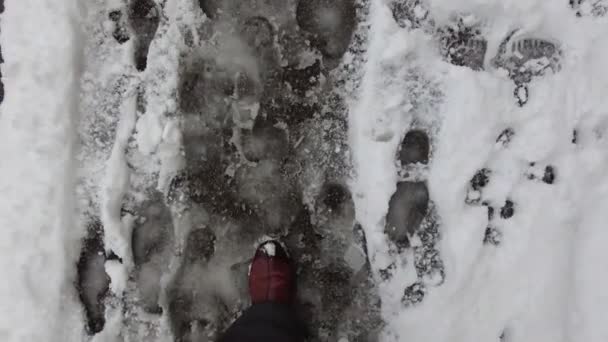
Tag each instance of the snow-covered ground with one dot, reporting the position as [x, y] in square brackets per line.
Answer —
[543, 280]
[42, 50]
[437, 168]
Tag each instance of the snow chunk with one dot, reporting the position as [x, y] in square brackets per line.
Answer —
[170, 153]
[270, 249]
[118, 275]
[117, 236]
[148, 133]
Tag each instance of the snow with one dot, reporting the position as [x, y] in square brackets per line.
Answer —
[76, 143]
[270, 249]
[117, 229]
[37, 143]
[149, 133]
[538, 284]
[170, 154]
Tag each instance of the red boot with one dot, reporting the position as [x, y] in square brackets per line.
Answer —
[272, 275]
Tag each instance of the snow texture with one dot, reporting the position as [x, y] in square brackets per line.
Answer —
[270, 249]
[435, 168]
[37, 129]
[530, 278]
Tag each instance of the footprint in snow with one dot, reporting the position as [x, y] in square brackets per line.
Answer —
[523, 56]
[92, 281]
[585, 8]
[144, 19]
[330, 24]
[195, 307]
[120, 32]
[411, 14]
[411, 214]
[152, 247]
[508, 208]
[463, 45]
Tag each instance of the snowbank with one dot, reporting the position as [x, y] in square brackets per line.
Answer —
[41, 46]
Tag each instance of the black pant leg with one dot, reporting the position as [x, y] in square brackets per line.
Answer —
[266, 322]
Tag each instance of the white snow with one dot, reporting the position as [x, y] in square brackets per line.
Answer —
[270, 249]
[117, 230]
[545, 282]
[42, 48]
[149, 133]
[170, 154]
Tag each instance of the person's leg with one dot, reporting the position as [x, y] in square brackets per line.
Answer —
[272, 289]
[265, 322]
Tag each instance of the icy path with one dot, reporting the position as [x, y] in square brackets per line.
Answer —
[545, 280]
[41, 48]
[231, 131]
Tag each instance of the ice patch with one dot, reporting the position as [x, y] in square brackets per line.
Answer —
[355, 258]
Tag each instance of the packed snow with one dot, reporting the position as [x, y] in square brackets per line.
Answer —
[437, 169]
